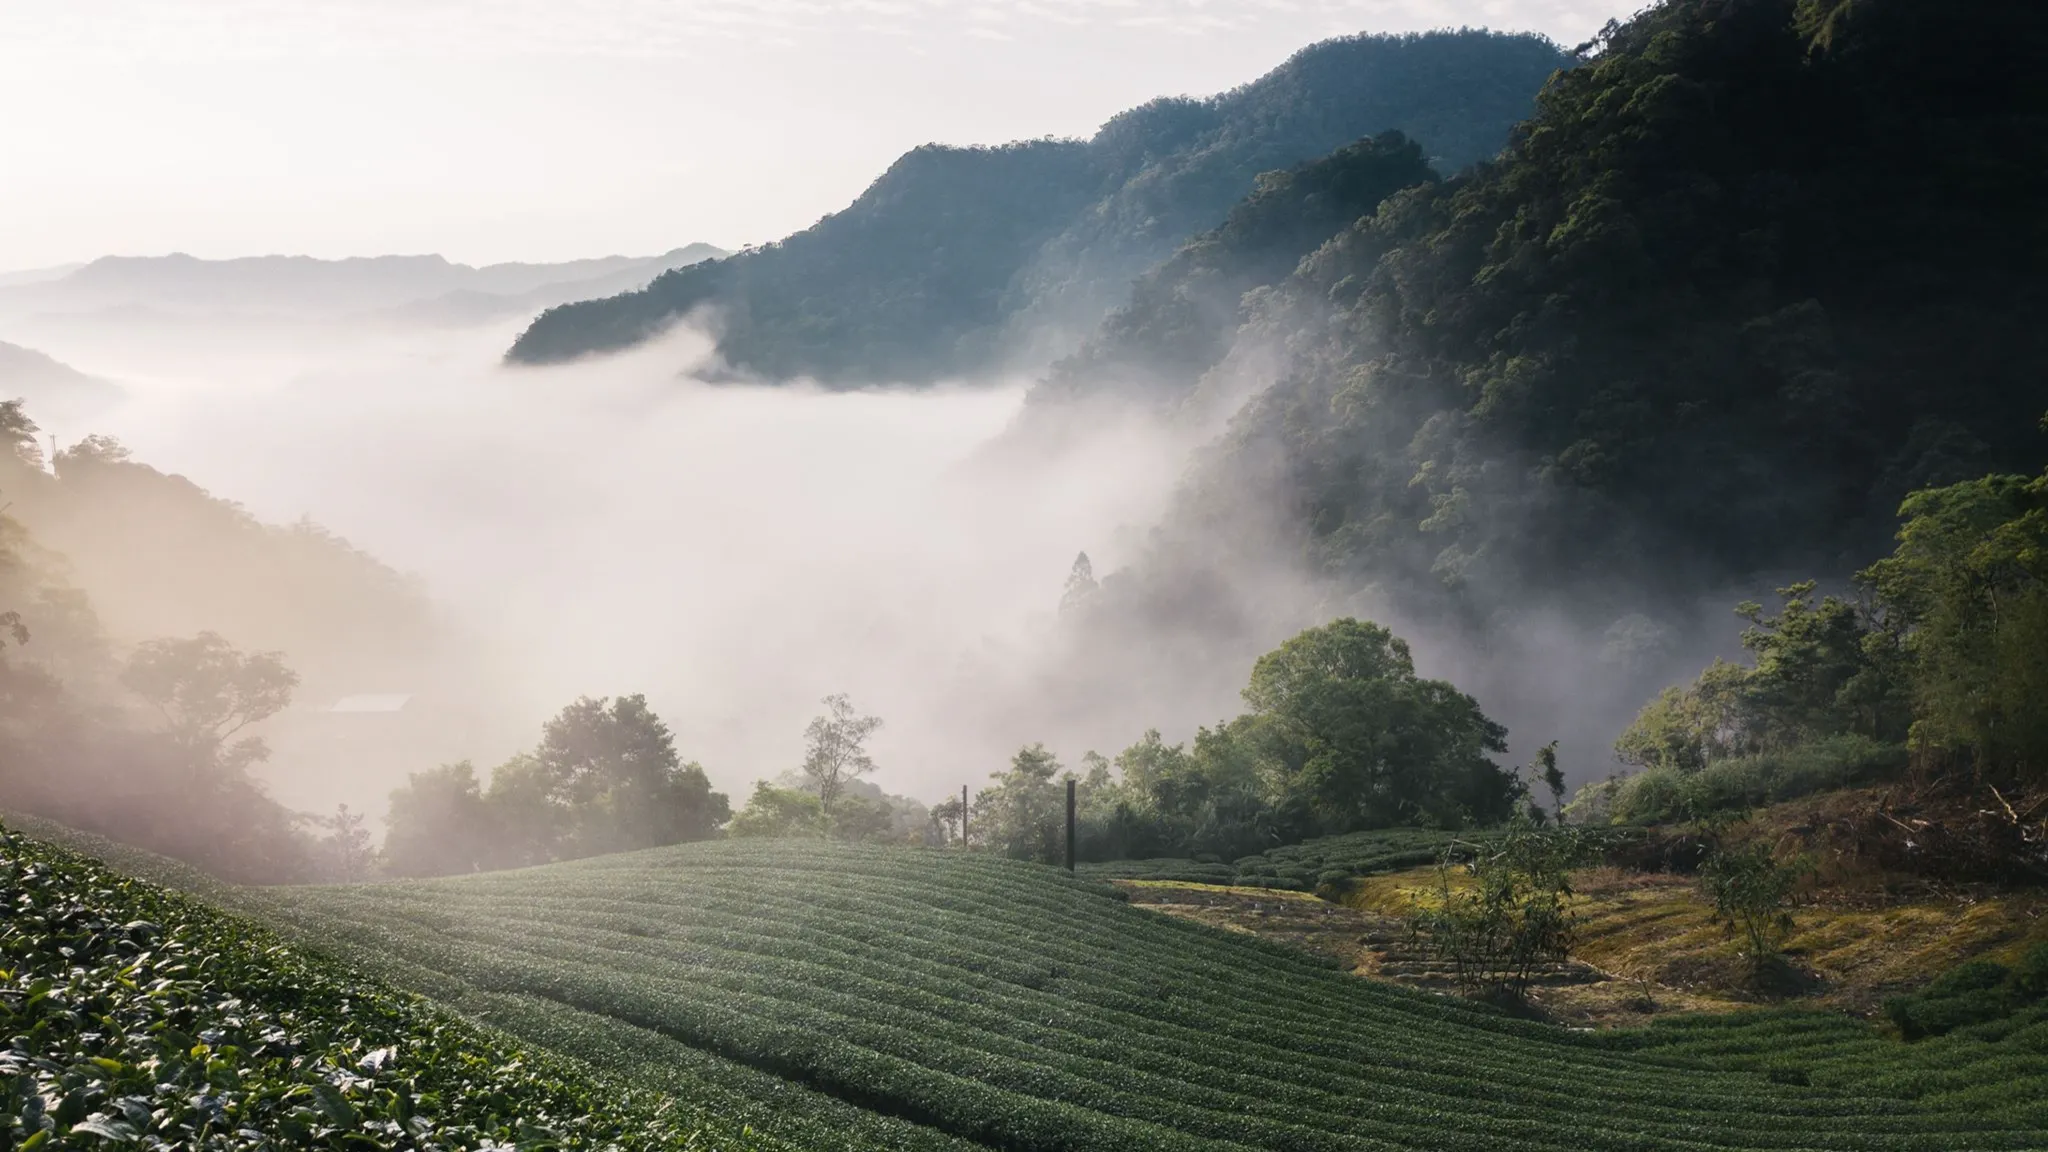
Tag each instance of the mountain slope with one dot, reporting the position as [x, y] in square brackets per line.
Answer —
[956, 258]
[1009, 1006]
[1750, 275]
[1182, 316]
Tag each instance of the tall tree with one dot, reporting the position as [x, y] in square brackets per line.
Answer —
[207, 691]
[835, 749]
[1081, 586]
[1367, 742]
[612, 764]
[438, 824]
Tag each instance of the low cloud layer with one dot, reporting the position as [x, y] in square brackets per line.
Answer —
[735, 553]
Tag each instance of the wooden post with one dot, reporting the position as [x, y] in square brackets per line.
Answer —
[1070, 824]
[963, 817]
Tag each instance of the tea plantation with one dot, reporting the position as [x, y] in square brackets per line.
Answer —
[1300, 867]
[136, 1017]
[866, 997]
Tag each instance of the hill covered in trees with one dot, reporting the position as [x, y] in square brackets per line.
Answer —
[1753, 273]
[957, 256]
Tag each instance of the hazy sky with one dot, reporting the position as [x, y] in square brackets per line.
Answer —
[552, 129]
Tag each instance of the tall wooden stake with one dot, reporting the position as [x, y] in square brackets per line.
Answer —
[1070, 825]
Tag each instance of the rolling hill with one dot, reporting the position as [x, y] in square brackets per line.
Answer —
[966, 1001]
[957, 259]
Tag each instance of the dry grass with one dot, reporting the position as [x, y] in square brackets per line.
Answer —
[1849, 948]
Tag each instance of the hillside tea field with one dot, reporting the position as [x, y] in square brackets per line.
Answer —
[895, 998]
[139, 1018]
[1300, 867]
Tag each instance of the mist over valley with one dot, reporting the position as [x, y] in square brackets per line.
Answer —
[1464, 589]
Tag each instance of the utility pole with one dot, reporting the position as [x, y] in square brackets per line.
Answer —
[1070, 824]
[963, 817]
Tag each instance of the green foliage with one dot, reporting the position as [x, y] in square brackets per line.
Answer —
[1364, 741]
[773, 811]
[953, 252]
[1949, 647]
[1752, 893]
[1503, 909]
[438, 824]
[136, 1017]
[615, 771]
[1341, 735]
[1022, 813]
[1732, 292]
[1182, 315]
[985, 1002]
[1968, 589]
[1661, 794]
[1975, 993]
[835, 750]
[605, 777]
[158, 745]
[1307, 865]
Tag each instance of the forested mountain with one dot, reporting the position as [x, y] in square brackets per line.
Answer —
[957, 257]
[1182, 316]
[1753, 272]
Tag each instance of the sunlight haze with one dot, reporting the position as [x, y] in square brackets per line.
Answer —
[549, 131]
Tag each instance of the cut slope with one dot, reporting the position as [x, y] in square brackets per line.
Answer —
[1013, 1007]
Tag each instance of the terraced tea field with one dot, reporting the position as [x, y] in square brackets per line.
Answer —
[1300, 867]
[851, 997]
[137, 1017]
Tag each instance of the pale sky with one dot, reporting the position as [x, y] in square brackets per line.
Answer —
[555, 129]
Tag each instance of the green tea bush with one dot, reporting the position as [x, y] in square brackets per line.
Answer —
[135, 1017]
[1978, 992]
[972, 1001]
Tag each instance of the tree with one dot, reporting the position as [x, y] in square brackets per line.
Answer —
[612, 766]
[1968, 585]
[835, 749]
[778, 812]
[345, 850]
[207, 691]
[1365, 742]
[526, 820]
[945, 821]
[18, 434]
[1503, 909]
[1751, 891]
[1021, 814]
[1552, 778]
[438, 824]
[1081, 586]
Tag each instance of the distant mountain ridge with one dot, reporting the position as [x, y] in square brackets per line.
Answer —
[51, 388]
[305, 284]
[957, 260]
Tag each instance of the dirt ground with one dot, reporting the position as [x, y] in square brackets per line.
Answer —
[1647, 942]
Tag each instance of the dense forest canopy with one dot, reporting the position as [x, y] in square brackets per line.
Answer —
[957, 256]
[1182, 315]
[1753, 272]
